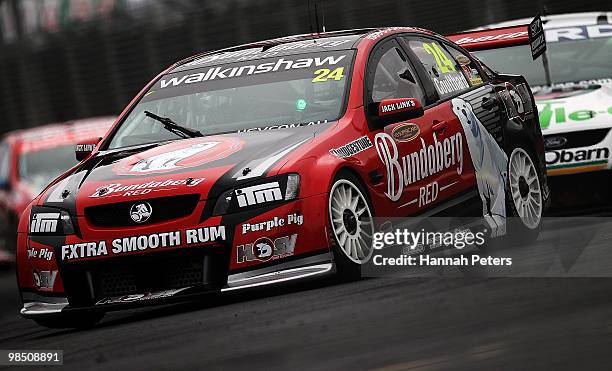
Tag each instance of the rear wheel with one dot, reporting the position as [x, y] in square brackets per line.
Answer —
[78, 321]
[525, 204]
[351, 225]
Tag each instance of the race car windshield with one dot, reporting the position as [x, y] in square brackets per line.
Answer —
[570, 60]
[39, 168]
[262, 94]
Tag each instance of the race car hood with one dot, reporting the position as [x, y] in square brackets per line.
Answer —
[206, 166]
[575, 108]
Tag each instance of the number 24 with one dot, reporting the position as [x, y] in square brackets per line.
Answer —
[324, 74]
[445, 64]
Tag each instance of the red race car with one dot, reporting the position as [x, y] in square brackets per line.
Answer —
[264, 163]
[29, 160]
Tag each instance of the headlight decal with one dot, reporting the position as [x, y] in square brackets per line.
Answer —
[47, 221]
[276, 189]
[258, 194]
[44, 222]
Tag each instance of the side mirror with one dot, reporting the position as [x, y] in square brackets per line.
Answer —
[83, 150]
[390, 111]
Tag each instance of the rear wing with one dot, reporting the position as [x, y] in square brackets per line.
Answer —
[493, 38]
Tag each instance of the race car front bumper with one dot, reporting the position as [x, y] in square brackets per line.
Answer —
[578, 152]
[37, 306]
[182, 273]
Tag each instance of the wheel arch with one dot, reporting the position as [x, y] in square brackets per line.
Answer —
[364, 185]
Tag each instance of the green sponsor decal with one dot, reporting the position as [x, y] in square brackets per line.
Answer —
[582, 115]
[553, 112]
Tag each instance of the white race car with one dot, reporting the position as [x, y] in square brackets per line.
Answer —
[575, 109]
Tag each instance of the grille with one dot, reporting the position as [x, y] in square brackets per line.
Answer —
[146, 275]
[163, 209]
[580, 138]
[117, 282]
[89, 282]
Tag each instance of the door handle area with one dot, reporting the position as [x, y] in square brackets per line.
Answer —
[488, 103]
[439, 125]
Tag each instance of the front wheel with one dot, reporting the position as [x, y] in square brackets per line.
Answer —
[525, 204]
[351, 225]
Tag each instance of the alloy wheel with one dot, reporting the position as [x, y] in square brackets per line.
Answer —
[525, 188]
[351, 221]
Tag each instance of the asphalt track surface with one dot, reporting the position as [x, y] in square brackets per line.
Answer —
[463, 322]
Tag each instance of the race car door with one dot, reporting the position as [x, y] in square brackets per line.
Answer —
[447, 75]
[471, 110]
[410, 153]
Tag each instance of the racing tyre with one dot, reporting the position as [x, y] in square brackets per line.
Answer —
[76, 321]
[525, 203]
[351, 226]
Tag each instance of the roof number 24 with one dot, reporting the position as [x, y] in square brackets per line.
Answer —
[324, 74]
